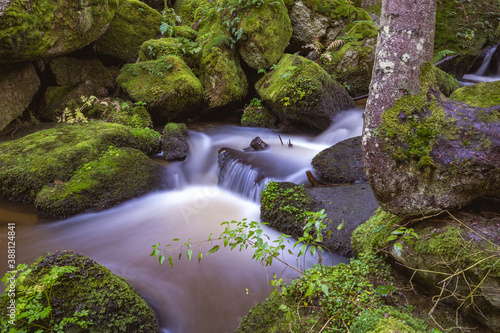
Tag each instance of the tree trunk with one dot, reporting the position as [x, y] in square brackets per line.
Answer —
[422, 152]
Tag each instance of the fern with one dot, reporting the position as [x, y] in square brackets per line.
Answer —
[336, 43]
[440, 55]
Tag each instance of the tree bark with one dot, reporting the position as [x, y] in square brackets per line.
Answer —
[422, 152]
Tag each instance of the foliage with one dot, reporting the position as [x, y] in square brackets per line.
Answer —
[77, 116]
[33, 302]
[402, 234]
[386, 318]
[257, 115]
[439, 55]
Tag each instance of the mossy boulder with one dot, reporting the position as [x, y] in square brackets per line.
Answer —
[485, 95]
[387, 319]
[71, 71]
[184, 31]
[19, 83]
[321, 21]
[57, 98]
[352, 64]
[167, 85]
[371, 236]
[175, 145]
[118, 175]
[265, 32]
[284, 205]
[90, 293]
[299, 91]
[134, 23]
[257, 115]
[342, 162]
[119, 111]
[47, 29]
[55, 155]
[446, 82]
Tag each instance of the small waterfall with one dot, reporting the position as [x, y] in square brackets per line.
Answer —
[490, 67]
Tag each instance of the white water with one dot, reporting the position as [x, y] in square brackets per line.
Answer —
[192, 297]
[481, 74]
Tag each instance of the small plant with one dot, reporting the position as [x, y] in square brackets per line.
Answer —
[77, 116]
[33, 309]
[441, 55]
[402, 233]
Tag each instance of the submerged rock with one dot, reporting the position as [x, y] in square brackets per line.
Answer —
[89, 292]
[55, 156]
[19, 83]
[341, 163]
[46, 29]
[300, 91]
[175, 145]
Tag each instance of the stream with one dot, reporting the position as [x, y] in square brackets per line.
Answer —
[210, 296]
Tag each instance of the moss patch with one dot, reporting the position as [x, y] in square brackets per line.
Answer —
[485, 95]
[112, 304]
[257, 115]
[370, 236]
[181, 47]
[29, 163]
[121, 112]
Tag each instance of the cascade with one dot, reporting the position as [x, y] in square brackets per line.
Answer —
[490, 67]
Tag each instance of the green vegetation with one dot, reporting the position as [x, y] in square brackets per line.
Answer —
[257, 115]
[484, 95]
[67, 292]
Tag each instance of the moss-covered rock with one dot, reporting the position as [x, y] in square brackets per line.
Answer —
[284, 205]
[175, 145]
[18, 85]
[387, 319]
[181, 47]
[121, 112]
[134, 23]
[89, 292]
[54, 155]
[321, 21]
[485, 95]
[45, 29]
[446, 82]
[300, 91]
[257, 115]
[370, 236]
[57, 98]
[341, 163]
[118, 175]
[167, 85]
[352, 65]
[266, 31]
[183, 31]
[70, 71]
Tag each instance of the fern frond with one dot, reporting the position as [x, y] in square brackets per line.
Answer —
[440, 55]
[335, 44]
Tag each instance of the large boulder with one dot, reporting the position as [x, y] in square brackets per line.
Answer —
[167, 85]
[342, 162]
[76, 294]
[18, 85]
[46, 29]
[53, 156]
[134, 23]
[299, 91]
[118, 175]
[181, 47]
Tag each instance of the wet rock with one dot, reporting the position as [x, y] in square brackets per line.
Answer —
[341, 163]
[258, 144]
[175, 146]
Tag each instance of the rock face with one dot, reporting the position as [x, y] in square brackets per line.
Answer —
[341, 163]
[61, 156]
[167, 85]
[300, 91]
[46, 29]
[133, 24]
[18, 85]
[175, 145]
[112, 304]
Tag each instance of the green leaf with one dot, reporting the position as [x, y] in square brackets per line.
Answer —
[189, 254]
[325, 290]
[391, 238]
[175, 240]
[384, 290]
[213, 249]
[200, 256]
[171, 261]
[341, 225]
[398, 247]
[161, 259]
[283, 307]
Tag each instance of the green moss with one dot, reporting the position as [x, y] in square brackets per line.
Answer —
[185, 32]
[120, 112]
[387, 320]
[484, 95]
[370, 236]
[284, 205]
[258, 116]
[29, 163]
[112, 304]
[446, 82]
[43, 29]
[167, 85]
[133, 24]
[338, 10]
[181, 47]
[118, 175]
